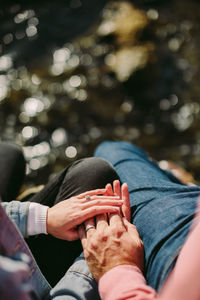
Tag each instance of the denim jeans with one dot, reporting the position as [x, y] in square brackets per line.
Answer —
[162, 207]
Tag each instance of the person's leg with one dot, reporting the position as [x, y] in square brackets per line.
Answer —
[55, 256]
[12, 170]
[162, 206]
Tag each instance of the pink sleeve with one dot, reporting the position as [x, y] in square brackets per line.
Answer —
[184, 281]
[125, 282]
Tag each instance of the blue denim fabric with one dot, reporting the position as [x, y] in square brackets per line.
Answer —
[12, 244]
[78, 283]
[162, 207]
[18, 212]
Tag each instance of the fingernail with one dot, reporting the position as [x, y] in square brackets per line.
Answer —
[121, 201]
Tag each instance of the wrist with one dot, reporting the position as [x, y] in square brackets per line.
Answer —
[98, 275]
[50, 218]
[47, 222]
[117, 264]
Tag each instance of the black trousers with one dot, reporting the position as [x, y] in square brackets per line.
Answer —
[12, 171]
[55, 256]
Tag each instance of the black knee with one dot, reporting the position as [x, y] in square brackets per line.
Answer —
[87, 174]
[93, 172]
[12, 170]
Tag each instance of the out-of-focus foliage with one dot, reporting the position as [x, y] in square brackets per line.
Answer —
[132, 75]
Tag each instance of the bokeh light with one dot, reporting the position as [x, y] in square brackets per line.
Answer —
[133, 75]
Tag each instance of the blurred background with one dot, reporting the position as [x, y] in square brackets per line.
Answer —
[76, 72]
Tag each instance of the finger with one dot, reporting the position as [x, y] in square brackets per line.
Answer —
[102, 203]
[117, 188]
[126, 207]
[92, 192]
[95, 197]
[101, 222]
[89, 222]
[109, 190]
[82, 236]
[130, 227]
[96, 210]
[104, 197]
[116, 220]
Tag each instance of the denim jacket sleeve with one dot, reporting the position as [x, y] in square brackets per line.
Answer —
[13, 278]
[77, 284]
[18, 212]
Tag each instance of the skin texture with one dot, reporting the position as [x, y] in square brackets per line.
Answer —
[114, 241]
[64, 217]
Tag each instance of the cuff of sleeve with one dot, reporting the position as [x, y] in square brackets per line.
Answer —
[126, 276]
[37, 215]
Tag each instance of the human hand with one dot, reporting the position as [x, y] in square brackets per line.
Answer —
[63, 218]
[111, 244]
[123, 193]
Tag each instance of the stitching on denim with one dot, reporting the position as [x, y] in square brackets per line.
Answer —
[80, 273]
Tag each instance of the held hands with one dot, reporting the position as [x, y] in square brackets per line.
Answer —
[114, 241]
[63, 218]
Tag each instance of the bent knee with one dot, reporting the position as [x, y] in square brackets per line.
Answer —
[94, 172]
[96, 165]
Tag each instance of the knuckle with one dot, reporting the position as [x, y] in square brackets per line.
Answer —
[103, 236]
[120, 233]
[86, 254]
[76, 215]
[93, 244]
[117, 231]
[94, 209]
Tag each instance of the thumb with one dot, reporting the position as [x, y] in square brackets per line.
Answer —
[127, 224]
[126, 208]
[129, 227]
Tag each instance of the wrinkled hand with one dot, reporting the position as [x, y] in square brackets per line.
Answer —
[63, 218]
[111, 244]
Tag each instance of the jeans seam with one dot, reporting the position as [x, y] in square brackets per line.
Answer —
[83, 274]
